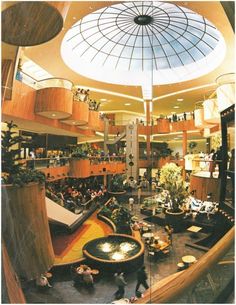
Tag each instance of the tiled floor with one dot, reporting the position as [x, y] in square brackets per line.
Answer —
[63, 290]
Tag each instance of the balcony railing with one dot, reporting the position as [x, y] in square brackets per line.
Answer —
[64, 161]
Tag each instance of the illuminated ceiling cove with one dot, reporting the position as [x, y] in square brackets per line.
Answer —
[130, 42]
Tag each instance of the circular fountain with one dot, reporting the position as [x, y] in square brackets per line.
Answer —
[115, 252]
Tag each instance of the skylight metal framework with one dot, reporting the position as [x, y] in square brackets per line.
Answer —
[144, 36]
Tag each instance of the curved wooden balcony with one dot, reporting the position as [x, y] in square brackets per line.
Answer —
[163, 126]
[94, 119]
[80, 114]
[54, 103]
[183, 126]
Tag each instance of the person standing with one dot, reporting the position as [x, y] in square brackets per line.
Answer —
[142, 278]
[219, 157]
[231, 172]
[120, 282]
[139, 192]
[131, 204]
[212, 162]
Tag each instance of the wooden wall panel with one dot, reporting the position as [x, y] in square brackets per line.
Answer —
[162, 161]
[183, 125]
[50, 100]
[116, 129]
[204, 186]
[93, 119]
[25, 229]
[11, 288]
[7, 67]
[61, 6]
[22, 103]
[80, 114]
[56, 172]
[107, 168]
[163, 126]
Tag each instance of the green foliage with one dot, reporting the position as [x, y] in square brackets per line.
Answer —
[121, 216]
[83, 151]
[10, 156]
[164, 151]
[117, 183]
[14, 172]
[172, 181]
[106, 211]
[149, 202]
[192, 145]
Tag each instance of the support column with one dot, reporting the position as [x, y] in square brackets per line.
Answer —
[184, 149]
[132, 150]
[148, 119]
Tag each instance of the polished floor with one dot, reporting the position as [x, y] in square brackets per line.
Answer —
[63, 290]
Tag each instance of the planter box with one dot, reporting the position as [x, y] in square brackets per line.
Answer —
[175, 219]
[79, 168]
[25, 229]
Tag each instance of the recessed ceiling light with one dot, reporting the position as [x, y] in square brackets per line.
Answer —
[73, 122]
[176, 107]
[127, 104]
[180, 99]
[74, 17]
[53, 114]
[103, 99]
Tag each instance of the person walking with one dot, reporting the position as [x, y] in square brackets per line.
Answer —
[120, 282]
[141, 278]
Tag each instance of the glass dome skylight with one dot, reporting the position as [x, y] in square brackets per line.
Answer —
[128, 42]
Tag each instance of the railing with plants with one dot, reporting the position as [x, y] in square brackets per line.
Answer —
[64, 161]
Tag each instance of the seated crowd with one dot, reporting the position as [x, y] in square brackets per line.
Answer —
[74, 194]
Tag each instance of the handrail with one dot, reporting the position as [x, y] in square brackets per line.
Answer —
[169, 288]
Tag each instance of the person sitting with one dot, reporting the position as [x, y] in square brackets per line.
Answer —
[87, 276]
[42, 282]
[169, 230]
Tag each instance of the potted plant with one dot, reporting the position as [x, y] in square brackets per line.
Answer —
[191, 146]
[163, 154]
[150, 205]
[25, 228]
[122, 219]
[79, 162]
[116, 186]
[172, 181]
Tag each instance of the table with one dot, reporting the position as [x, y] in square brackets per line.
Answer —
[194, 229]
[148, 235]
[161, 245]
[134, 218]
[188, 259]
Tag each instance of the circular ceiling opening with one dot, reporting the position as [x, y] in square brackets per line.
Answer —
[143, 20]
[131, 42]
